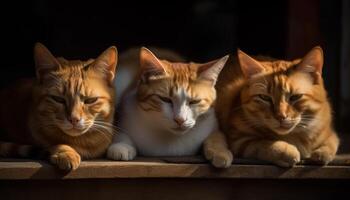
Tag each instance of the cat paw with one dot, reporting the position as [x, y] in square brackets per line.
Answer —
[289, 157]
[219, 158]
[121, 151]
[322, 156]
[67, 160]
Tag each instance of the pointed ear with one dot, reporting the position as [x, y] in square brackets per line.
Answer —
[312, 62]
[249, 65]
[44, 61]
[210, 71]
[151, 67]
[106, 63]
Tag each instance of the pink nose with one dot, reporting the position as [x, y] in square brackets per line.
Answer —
[73, 120]
[281, 117]
[179, 120]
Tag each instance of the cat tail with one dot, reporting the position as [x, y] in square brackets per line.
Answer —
[13, 150]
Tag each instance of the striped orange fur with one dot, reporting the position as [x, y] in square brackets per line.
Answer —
[67, 111]
[277, 110]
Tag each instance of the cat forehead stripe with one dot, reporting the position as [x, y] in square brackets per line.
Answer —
[181, 94]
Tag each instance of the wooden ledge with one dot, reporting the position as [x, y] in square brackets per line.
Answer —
[190, 167]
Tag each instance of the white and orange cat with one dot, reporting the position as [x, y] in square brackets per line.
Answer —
[67, 111]
[277, 110]
[169, 108]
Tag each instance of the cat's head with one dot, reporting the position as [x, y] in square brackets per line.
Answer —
[75, 96]
[172, 95]
[283, 96]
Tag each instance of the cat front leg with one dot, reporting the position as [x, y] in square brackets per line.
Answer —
[65, 157]
[122, 148]
[326, 152]
[278, 152]
[216, 150]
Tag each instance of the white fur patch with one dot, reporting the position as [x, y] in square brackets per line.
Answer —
[181, 109]
[121, 151]
[141, 128]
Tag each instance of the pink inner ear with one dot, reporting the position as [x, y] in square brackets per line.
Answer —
[206, 66]
[106, 63]
[312, 62]
[108, 59]
[150, 64]
[211, 70]
[44, 60]
[249, 66]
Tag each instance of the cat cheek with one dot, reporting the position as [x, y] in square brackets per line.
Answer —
[192, 119]
[101, 110]
[312, 106]
[200, 109]
[194, 115]
[167, 111]
[59, 116]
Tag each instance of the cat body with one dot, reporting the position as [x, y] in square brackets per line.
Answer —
[169, 111]
[277, 110]
[67, 111]
[141, 126]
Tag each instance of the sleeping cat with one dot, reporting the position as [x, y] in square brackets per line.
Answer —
[169, 110]
[277, 110]
[67, 111]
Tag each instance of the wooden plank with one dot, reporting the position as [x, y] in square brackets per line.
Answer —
[162, 168]
[340, 160]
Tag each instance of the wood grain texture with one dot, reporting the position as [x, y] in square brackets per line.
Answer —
[187, 167]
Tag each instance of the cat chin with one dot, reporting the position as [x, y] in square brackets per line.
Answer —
[179, 131]
[283, 131]
[75, 132]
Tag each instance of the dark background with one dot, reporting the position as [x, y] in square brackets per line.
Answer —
[200, 30]
[176, 188]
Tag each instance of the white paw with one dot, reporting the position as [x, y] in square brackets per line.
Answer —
[121, 151]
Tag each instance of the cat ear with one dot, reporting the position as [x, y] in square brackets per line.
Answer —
[211, 70]
[312, 62]
[250, 67]
[151, 66]
[106, 63]
[44, 61]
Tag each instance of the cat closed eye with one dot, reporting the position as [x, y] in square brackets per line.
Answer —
[195, 101]
[295, 97]
[165, 99]
[90, 100]
[265, 97]
[58, 99]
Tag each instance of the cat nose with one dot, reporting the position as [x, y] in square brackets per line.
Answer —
[74, 120]
[281, 117]
[179, 120]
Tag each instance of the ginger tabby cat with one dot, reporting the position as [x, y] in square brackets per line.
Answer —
[277, 110]
[66, 112]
